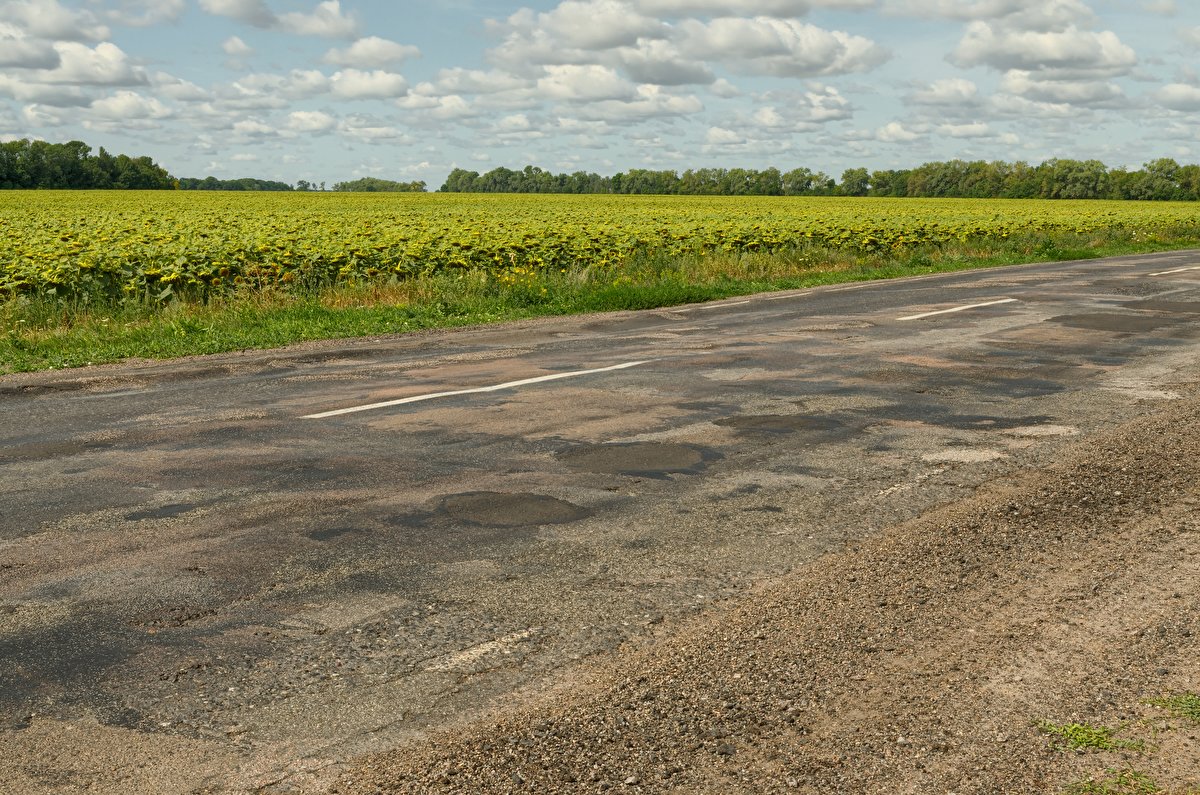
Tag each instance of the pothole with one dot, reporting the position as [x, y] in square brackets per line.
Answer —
[647, 459]
[501, 509]
[1103, 321]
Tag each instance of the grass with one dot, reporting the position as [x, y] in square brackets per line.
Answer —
[1083, 737]
[1123, 782]
[50, 332]
[1185, 706]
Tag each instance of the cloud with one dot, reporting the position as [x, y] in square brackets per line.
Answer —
[1074, 92]
[47, 19]
[372, 53]
[61, 96]
[575, 31]
[660, 62]
[952, 92]
[326, 19]
[1178, 96]
[895, 132]
[252, 12]
[237, 48]
[19, 52]
[650, 102]
[1071, 52]
[310, 121]
[376, 84]
[36, 115]
[721, 136]
[772, 8]
[599, 24]
[1040, 15]
[473, 81]
[146, 13]
[172, 87]
[106, 64]
[783, 48]
[589, 83]
[368, 130]
[129, 105]
[976, 129]
[253, 128]
[798, 111]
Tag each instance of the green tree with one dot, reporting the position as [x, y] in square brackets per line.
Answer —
[855, 182]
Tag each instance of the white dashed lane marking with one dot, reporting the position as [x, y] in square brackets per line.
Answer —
[478, 390]
[957, 309]
[1177, 270]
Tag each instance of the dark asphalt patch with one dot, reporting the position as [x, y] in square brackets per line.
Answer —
[68, 448]
[331, 533]
[70, 655]
[500, 509]
[641, 459]
[781, 423]
[1106, 321]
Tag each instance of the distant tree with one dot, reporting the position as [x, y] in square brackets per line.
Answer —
[373, 185]
[241, 184]
[855, 182]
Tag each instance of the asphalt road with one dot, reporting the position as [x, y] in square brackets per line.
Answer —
[238, 571]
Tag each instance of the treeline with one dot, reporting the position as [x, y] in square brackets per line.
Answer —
[1158, 180]
[26, 164]
[374, 185]
[244, 183]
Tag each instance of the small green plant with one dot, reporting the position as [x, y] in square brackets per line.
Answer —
[1082, 737]
[1123, 782]
[1185, 705]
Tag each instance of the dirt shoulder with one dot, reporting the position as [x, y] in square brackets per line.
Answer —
[921, 660]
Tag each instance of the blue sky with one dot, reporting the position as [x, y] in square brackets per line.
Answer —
[329, 90]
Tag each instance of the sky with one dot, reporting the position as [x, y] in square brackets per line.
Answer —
[333, 90]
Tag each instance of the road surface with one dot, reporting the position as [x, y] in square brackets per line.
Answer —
[239, 572]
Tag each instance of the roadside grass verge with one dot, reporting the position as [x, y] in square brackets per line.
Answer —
[42, 332]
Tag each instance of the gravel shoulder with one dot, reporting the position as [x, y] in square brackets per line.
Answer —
[921, 659]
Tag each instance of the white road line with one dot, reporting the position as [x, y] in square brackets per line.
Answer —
[496, 388]
[957, 309]
[786, 297]
[1177, 270]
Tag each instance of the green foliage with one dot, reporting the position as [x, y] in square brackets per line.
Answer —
[1186, 706]
[1082, 737]
[242, 184]
[374, 185]
[1123, 782]
[1159, 180]
[26, 164]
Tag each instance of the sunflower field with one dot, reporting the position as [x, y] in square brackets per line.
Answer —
[161, 245]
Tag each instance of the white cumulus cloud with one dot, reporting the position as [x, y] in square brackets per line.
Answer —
[783, 48]
[372, 52]
[310, 121]
[375, 84]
